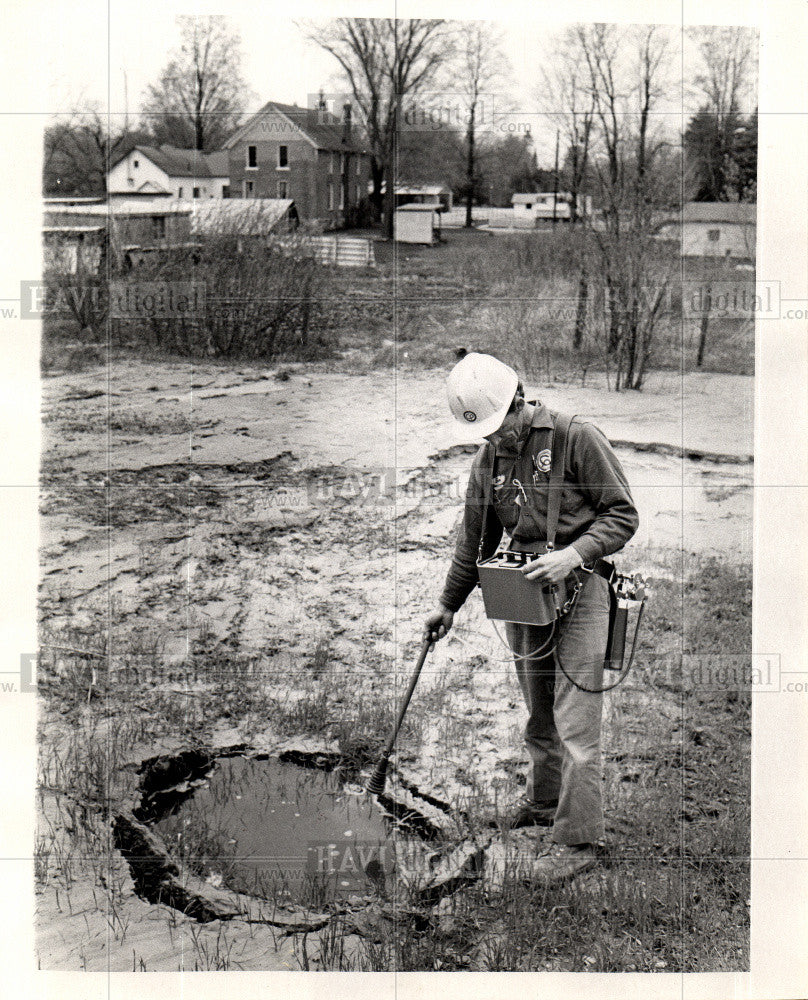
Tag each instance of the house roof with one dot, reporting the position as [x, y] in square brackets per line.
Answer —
[238, 216]
[322, 128]
[78, 199]
[49, 230]
[743, 212]
[178, 162]
[415, 208]
[413, 189]
[121, 208]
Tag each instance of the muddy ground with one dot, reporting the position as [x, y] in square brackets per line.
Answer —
[300, 522]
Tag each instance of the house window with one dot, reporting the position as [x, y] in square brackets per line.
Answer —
[330, 196]
[196, 192]
[225, 190]
[341, 196]
[283, 157]
[136, 164]
[158, 225]
[281, 189]
[359, 166]
[342, 163]
[252, 157]
[358, 194]
[713, 235]
[248, 189]
[179, 192]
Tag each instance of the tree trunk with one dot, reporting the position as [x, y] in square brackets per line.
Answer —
[580, 311]
[614, 317]
[470, 167]
[389, 201]
[705, 321]
[376, 176]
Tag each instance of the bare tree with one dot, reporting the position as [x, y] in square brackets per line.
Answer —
[386, 63]
[626, 69]
[79, 148]
[201, 95]
[481, 68]
[566, 98]
[717, 136]
[730, 66]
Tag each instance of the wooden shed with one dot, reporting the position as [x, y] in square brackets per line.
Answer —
[417, 224]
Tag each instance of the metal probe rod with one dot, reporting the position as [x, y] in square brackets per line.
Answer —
[377, 781]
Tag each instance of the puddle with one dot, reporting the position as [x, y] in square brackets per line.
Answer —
[279, 831]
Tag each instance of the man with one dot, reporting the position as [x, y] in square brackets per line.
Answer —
[509, 489]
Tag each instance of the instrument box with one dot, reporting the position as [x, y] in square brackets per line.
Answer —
[509, 596]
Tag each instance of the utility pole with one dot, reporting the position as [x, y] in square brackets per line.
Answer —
[555, 180]
[125, 104]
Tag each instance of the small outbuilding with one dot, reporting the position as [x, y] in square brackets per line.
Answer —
[244, 217]
[417, 224]
[438, 196]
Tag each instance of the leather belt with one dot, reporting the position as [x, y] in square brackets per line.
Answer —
[602, 568]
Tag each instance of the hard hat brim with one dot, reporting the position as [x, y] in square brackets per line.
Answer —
[476, 431]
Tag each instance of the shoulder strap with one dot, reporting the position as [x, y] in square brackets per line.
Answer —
[490, 454]
[561, 429]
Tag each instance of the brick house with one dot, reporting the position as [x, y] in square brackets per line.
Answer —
[306, 154]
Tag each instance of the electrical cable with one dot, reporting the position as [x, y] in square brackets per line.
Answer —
[554, 651]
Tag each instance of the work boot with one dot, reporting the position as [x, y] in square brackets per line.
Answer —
[562, 861]
[528, 813]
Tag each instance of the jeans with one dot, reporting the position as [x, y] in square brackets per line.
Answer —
[563, 727]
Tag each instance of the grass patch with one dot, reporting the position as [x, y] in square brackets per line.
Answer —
[670, 892]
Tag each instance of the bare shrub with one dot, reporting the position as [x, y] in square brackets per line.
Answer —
[76, 289]
[262, 298]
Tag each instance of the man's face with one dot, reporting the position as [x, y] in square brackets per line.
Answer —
[506, 438]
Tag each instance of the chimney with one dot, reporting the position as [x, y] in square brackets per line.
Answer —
[346, 122]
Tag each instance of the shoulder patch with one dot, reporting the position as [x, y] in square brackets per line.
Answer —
[544, 460]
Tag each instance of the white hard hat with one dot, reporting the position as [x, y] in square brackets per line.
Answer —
[480, 390]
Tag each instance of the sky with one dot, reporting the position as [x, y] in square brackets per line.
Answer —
[107, 53]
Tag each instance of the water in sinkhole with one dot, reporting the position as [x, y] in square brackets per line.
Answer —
[276, 830]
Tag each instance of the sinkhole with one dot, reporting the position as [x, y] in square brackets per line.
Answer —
[301, 831]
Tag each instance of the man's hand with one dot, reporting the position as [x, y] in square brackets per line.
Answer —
[438, 624]
[553, 567]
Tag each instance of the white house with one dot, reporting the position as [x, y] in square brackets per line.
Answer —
[539, 205]
[713, 229]
[169, 172]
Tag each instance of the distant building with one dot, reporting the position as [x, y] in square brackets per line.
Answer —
[243, 217]
[169, 172]
[713, 229]
[414, 223]
[70, 227]
[306, 155]
[539, 205]
[439, 196]
[72, 248]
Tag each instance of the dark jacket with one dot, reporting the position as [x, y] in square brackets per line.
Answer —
[597, 512]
